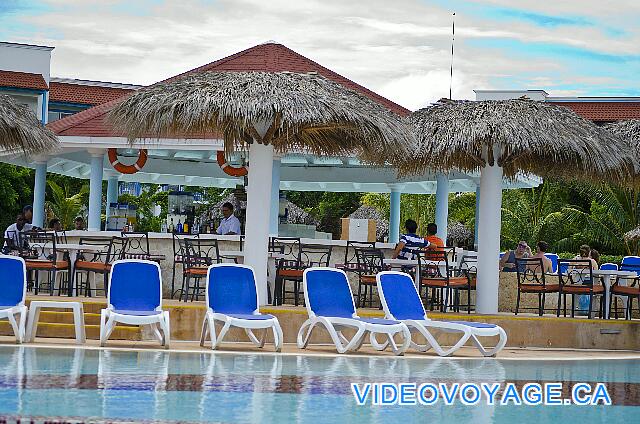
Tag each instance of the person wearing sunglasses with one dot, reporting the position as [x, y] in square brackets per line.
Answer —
[508, 260]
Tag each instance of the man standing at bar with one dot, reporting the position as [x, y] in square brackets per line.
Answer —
[230, 224]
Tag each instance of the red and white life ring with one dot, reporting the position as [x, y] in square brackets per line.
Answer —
[233, 171]
[127, 169]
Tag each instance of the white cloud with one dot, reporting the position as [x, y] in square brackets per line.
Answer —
[400, 49]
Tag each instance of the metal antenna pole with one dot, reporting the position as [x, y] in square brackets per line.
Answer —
[453, 39]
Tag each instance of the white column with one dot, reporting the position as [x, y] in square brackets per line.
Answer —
[394, 213]
[477, 220]
[489, 239]
[112, 190]
[258, 212]
[442, 205]
[39, 189]
[275, 197]
[95, 190]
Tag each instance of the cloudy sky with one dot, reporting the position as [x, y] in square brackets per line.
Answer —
[400, 48]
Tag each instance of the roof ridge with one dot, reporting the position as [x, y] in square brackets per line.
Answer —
[76, 119]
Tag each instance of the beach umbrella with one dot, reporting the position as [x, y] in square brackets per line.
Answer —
[502, 138]
[21, 131]
[266, 111]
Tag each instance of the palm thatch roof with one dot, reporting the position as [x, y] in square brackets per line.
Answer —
[520, 135]
[628, 130]
[296, 112]
[21, 131]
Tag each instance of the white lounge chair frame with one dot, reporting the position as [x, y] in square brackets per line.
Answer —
[335, 325]
[209, 328]
[109, 318]
[467, 332]
[19, 327]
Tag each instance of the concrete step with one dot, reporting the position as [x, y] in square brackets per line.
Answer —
[90, 306]
[67, 331]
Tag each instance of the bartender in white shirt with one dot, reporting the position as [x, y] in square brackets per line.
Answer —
[230, 225]
[15, 231]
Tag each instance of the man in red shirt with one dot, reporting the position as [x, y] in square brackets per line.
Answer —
[435, 242]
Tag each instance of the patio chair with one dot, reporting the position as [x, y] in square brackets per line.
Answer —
[401, 301]
[578, 280]
[232, 299]
[135, 298]
[13, 290]
[532, 280]
[98, 263]
[630, 292]
[137, 245]
[179, 257]
[289, 268]
[370, 261]
[329, 302]
[436, 274]
[42, 256]
[199, 255]
[350, 262]
[469, 268]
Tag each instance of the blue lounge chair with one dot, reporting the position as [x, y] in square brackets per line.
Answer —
[135, 297]
[401, 302]
[13, 290]
[329, 302]
[232, 299]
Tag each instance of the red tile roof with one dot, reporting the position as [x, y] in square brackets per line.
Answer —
[22, 80]
[269, 57]
[84, 94]
[600, 111]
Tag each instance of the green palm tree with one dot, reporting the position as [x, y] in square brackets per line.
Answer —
[64, 206]
[613, 211]
[533, 214]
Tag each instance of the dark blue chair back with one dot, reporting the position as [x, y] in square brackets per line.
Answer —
[631, 260]
[609, 266]
[135, 285]
[401, 296]
[554, 261]
[329, 293]
[13, 280]
[231, 289]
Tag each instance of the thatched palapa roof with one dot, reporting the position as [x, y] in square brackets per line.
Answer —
[628, 130]
[633, 235]
[529, 136]
[305, 112]
[21, 131]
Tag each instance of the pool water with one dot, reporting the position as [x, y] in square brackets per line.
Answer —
[77, 385]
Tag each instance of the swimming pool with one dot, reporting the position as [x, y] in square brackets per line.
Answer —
[156, 386]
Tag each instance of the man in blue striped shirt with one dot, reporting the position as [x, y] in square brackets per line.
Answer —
[410, 244]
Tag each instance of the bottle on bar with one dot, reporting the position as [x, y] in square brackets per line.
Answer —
[172, 228]
[179, 227]
[185, 227]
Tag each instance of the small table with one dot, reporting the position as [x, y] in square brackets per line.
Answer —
[271, 264]
[606, 275]
[34, 314]
[73, 250]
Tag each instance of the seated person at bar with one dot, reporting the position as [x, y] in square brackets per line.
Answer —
[585, 255]
[14, 232]
[78, 224]
[27, 212]
[508, 260]
[541, 249]
[230, 224]
[410, 244]
[55, 225]
[435, 242]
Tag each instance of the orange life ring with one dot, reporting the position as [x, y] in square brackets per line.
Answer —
[240, 171]
[127, 169]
